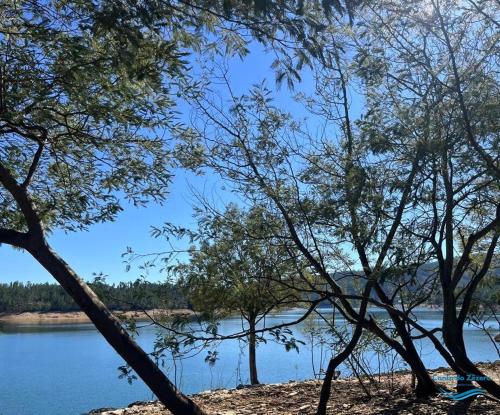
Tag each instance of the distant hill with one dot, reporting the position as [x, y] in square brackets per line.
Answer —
[352, 283]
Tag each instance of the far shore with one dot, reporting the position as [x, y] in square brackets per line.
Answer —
[79, 317]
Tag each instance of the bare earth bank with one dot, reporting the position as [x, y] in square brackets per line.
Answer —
[76, 317]
[389, 395]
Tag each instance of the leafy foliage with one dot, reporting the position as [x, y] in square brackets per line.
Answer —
[235, 268]
[86, 90]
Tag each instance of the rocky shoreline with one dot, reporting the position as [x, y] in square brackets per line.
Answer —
[389, 394]
[79, 317]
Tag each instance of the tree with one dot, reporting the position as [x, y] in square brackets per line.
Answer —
[81, 84]
[322, 200]
[84, 86]
[237, 268]
[366, 181]
[439, 61]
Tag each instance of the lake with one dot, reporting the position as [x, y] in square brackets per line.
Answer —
[70, 369]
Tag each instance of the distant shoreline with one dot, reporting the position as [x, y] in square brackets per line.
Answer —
[79, 317]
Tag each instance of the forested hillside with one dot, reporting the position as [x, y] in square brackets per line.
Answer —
[17, 297]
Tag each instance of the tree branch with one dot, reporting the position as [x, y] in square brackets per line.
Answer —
[14, 238]
[23, 200]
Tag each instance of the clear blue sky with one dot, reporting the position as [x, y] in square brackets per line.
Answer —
[100, 248]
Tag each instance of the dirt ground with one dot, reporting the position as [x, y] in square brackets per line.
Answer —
[389, 395]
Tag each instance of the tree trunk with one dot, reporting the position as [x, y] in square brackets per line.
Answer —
[454, 340]
[252, 352]
[465, 384]
[344, 354]
[467, 367]
[425, 385]
[332, 366]
[484, 381]
[111, 329]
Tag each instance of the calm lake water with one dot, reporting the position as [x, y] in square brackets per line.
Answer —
[70, 369]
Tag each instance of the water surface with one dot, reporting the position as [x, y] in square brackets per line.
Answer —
[70, 369]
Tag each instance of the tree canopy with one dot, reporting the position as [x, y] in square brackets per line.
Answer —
[236, 266]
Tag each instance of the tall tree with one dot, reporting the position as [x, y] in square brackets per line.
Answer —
[435, 63]
[367, 186]
[323, 190]
[83, 87]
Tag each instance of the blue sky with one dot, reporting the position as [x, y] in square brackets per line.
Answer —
[100, 248]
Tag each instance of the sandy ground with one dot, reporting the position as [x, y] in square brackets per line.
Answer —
[389, 395]
[79, 317]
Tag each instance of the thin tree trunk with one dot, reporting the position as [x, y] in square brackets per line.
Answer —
[337, 360]
[332, 366]
[465, 384]
[468, 367]
[425, 385]
[252, 352]
[108, 325]
[111, 329]
[484, 381]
